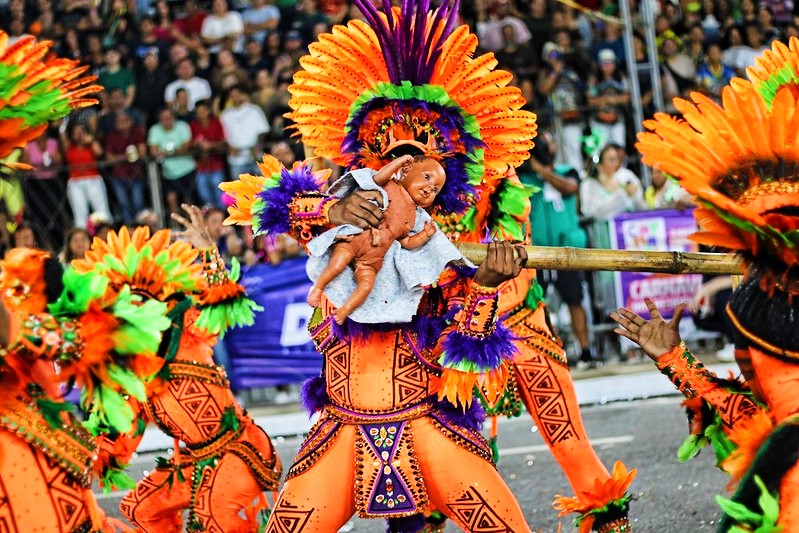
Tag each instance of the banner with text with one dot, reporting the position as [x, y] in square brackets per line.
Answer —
[661, 230]
[277, 349]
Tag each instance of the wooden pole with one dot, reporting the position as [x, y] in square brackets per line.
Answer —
[563, 258]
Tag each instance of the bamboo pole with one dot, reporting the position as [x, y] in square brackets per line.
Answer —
[564, 258]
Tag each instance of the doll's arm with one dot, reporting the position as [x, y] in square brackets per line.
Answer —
[384, 174]
[417, 240]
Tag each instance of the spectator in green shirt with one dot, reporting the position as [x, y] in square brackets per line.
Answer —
[170, 141]
[115, 76]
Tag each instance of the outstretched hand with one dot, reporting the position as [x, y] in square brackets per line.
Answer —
[196, 231]
[504, 261]
[655, 336]
[361, 209]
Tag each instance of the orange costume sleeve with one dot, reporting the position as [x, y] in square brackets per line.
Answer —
[712, 403]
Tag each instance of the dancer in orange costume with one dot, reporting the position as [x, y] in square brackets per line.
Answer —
[227, 461]
[741, 160]
[398, 431]
[541, 378]
[46, 456]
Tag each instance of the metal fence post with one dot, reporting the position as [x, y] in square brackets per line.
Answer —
[632, 76]
[156, 197]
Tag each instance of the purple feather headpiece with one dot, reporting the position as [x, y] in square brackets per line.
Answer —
[410, 52]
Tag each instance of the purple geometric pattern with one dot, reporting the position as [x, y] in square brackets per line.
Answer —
[389, 496]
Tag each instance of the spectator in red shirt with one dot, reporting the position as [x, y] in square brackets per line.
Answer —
[188, 27]
[164, 29]
[124, 146]
[85, 187]
[208, 137]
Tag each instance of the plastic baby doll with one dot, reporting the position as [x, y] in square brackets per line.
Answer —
[409, 182]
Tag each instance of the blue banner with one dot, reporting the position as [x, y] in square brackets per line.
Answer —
[277, 349]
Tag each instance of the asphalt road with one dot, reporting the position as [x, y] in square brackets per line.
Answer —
[671, 497]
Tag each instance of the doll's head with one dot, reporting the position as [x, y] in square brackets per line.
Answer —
[424, 180]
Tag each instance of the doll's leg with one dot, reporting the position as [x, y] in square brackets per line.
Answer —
[30, 484]
[225, 491]
[340, 258]
[156, 505]
[463, 486]
[321, 499]
[364, 282]
[547, 390]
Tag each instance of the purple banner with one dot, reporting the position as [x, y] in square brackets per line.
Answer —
[662, 230]
[276, 350]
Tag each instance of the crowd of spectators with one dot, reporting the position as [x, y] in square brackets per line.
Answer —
[200, 88]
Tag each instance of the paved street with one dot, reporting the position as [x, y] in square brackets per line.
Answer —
[671, 497]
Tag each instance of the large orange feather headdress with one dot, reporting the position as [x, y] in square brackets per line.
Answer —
[405, 82]
[150, 265]
[36, 87]
[741, 161]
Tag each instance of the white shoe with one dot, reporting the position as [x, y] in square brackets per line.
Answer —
[726, 354]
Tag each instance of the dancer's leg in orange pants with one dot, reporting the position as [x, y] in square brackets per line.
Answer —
[223, 492]
[458, 483]
[463, 486]
[36, 494]
[156, 504]
[547, 390]
[322, 498]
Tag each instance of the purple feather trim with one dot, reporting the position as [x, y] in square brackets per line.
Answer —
[471, 418]
[313, 394]
[274, 217]
[454, 195]
[408, 524]
[427, 327]
[486, 354]
[407, 41]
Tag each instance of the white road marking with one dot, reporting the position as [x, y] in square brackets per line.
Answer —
[522, 450]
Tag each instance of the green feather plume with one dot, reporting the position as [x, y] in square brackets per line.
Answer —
[46, 101]
[141, 323]
[51, 411]
[239, 311]
[79, 291]
[110, 410]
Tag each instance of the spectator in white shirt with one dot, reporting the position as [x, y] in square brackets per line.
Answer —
[197, 88]
[612, 190]
[221, 24]
[244, 124]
